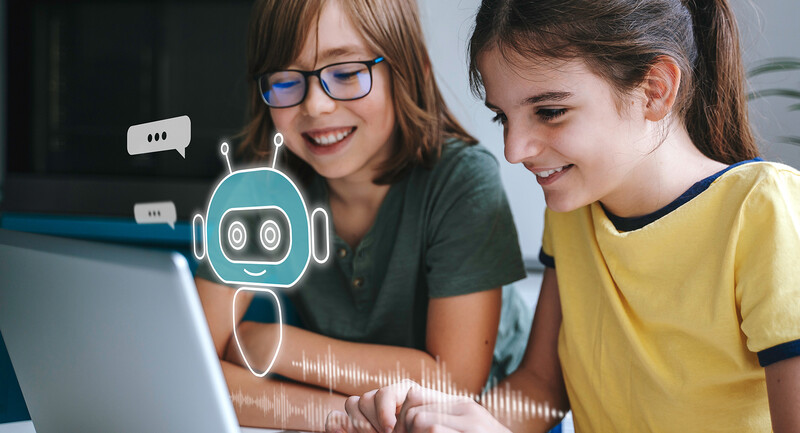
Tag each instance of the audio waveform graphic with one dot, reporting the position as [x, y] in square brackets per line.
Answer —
[506, 404]
[330, 372]
[281, 409]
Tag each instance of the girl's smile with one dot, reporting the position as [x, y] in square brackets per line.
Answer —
[566, 126]
[547, 176]
[584, 141]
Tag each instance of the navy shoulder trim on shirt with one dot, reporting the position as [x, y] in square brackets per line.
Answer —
[546, 259]
[634, 223]
[779, 353]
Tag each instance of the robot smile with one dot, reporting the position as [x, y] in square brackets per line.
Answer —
[252, 274]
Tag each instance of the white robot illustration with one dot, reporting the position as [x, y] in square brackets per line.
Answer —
[258, 232]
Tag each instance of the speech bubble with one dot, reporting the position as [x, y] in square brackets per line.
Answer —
[167, 134]
[159, 212]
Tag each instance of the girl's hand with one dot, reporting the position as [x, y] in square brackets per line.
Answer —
[406, 407]
[426, 410]
[373, 412]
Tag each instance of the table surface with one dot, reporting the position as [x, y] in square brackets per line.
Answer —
[27, 427]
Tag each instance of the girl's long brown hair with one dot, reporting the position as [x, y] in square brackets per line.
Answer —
[621, 39]
[391, 28]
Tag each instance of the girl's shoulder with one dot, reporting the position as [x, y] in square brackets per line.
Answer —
[759, 170]
[760, 178]
[747, 187]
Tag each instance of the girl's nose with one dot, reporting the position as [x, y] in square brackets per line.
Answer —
[521, 143]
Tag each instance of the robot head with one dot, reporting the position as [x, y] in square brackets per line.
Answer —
[258, 230]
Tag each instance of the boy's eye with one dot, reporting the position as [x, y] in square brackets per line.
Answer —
[346, 76]
[285, 84]
[548, 114]
[499, 118]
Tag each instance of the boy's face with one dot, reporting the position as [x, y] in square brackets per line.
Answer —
[562, 122]
[344, 140]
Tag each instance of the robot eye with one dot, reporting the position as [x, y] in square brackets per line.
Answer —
[270, 235]
[237, 235]
[255, 235]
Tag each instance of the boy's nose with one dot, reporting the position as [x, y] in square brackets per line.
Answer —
[317, 101]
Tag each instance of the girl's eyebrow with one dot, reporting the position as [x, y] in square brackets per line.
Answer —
[542, 97]
[546, 96]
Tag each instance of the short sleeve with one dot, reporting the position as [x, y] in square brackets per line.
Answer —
[546, 253]
[767, 266]
[471, 239]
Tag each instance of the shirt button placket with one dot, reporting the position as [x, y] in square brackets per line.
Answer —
[359, 281]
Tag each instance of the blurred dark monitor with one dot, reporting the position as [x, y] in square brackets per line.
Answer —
[79, 73]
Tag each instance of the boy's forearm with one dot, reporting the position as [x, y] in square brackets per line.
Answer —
[349, 368]
[345, 367]
[270, 403]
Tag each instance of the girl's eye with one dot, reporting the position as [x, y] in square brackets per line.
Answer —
[499, 118]
[548, 114]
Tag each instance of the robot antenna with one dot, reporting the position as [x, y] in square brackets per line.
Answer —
[278, 141]
[224, 150]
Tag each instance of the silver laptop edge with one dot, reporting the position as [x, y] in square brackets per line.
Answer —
[108, 338]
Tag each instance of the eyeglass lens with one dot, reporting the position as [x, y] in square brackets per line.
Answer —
[345, 81]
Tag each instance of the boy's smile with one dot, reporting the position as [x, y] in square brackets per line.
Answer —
[324, 141]
[347, 140]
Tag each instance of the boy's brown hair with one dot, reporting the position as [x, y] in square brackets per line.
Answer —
[391, 28]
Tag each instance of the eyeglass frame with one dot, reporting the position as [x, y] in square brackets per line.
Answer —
[317, 73]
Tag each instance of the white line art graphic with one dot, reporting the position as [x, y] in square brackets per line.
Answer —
[280, 329]
[257, 232]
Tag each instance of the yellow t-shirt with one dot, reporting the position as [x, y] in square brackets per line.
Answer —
[666, 319]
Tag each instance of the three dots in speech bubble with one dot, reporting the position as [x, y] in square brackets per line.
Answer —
[141, 139]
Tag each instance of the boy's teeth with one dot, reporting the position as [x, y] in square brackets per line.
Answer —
[547, 173]
[330, 138]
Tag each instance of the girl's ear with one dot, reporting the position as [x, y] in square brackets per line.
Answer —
[661, 88]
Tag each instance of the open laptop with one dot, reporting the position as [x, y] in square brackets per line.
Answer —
[107, 338]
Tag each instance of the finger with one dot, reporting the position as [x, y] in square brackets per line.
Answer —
[338, 422]
[367, 404]
[416, 397]
[387, 403]
[435, 417]
[438, 429]
[359, 422]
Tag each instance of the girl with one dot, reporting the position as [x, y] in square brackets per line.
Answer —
[424, 238]
[671, 299]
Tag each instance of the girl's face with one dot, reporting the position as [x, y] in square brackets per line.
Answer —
[562, 123]
[339, 139]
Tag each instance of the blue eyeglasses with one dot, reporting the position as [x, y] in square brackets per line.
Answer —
[344, 81]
